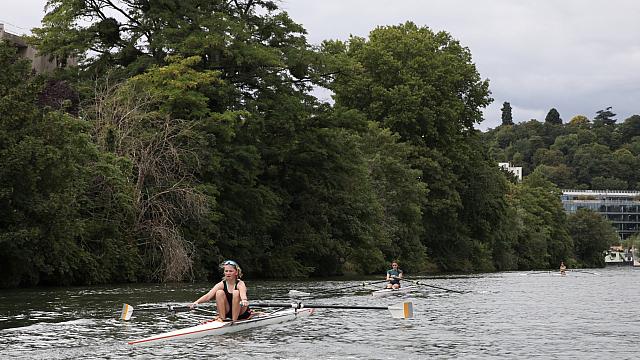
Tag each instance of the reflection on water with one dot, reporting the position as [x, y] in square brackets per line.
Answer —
[503, 315]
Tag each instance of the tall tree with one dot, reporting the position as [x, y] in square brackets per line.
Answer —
[423, 86]
[604, 117]
[553, 117]
[507, 118]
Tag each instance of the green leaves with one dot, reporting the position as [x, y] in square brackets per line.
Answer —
[49, 170]
[592, 234]
[420, 84]
[180, 85]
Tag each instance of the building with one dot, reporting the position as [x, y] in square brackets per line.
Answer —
[515, 170]
[621, 207]
[39, 63]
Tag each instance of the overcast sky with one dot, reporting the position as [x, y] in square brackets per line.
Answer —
[578, 56]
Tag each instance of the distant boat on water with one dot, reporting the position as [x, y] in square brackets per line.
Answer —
[618, 256]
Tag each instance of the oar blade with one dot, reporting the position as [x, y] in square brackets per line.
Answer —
[296, 293]
[127, 311]
[402, 311]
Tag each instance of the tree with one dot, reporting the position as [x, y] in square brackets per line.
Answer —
[579, 121]
[485, 216]
[604, 117]
[591, 161]
[418, 83]
[543, 240]
[423, 86]
[560, 175]
[250, 42]
[630, 128]
[134, 120]
[507, 119]
[592, 234]
[547, 157]
[608, 183]
[553, 117]
[400, 194]
[56, 189]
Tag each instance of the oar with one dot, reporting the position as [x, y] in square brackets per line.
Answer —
[127, 310]
[584, 271]
[363, 284]
[538, 272]
[435, 287]
[400, 311]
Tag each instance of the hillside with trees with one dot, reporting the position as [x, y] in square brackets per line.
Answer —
[598, 153]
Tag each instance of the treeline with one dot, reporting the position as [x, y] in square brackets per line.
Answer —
[190, 134]
[583, 153]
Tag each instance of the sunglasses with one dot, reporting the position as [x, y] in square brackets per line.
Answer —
[230, 262]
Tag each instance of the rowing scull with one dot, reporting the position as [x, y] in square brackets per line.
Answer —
[219, 328]
[385, 292]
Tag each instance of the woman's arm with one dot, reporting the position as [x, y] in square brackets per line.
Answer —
[209, 295]
[242, 288]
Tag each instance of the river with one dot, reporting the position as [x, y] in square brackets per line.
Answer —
[583, 315]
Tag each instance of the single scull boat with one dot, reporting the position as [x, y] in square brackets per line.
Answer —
[218, 327]
[285, 312]
[385, 292]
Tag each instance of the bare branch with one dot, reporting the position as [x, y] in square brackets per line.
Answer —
[126, 122]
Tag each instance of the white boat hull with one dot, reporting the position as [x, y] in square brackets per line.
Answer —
[219, 328]
[387, 292]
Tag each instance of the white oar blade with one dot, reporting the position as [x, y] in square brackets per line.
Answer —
[402, 311]
[296, 293]
[127, 311]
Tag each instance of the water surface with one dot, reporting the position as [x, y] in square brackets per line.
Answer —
[584, 315]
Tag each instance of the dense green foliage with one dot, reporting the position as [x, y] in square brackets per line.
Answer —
[191, 135]
[581, 154]
[63, 204]
[591, 233]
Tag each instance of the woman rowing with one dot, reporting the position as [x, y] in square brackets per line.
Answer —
[230, 294]
[394, 275]
[563, 268]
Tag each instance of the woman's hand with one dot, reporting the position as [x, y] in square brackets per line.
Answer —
[244, 302]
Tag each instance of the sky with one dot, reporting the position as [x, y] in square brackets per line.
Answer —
[577, 56]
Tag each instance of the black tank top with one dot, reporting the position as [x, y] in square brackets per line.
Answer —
[244, 315]
[228, 294]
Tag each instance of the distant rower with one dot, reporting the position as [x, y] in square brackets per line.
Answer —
[563, 268]
[394, 275]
